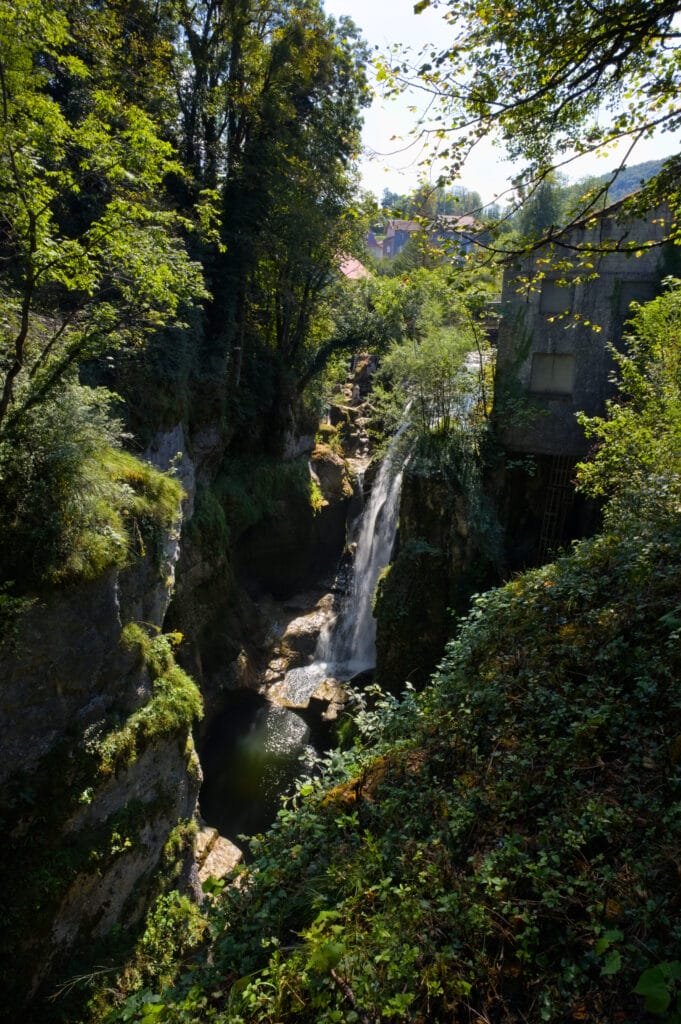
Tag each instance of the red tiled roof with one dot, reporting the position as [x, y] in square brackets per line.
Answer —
[353, 269]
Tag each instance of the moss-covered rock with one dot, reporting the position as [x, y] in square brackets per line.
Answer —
[96, 761]
[411, 613]
[295, 540]
[331, 471]
[448, 551]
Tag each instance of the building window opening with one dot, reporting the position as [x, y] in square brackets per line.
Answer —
[552, 374]
[556, 298]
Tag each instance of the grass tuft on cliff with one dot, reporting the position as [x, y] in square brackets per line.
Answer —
[174, 705]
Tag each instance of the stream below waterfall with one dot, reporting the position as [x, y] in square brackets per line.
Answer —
[249, 759]
[251, 755]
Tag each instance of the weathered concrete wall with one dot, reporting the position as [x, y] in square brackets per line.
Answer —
[553, 357]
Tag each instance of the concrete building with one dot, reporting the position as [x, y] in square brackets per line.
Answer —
[558, 320]
[562, 307]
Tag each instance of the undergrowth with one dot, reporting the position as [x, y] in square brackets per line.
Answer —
[138, 503]
[502, 847]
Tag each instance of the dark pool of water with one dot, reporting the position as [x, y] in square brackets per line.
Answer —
[250, 757]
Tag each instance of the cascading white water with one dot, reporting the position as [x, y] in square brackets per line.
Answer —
[347, 645]
[241, 791]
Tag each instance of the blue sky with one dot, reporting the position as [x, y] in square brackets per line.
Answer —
[392, 21]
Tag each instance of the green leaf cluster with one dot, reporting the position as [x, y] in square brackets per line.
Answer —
[636, 464]
[76, 289]
[73, 503]
[551, 82]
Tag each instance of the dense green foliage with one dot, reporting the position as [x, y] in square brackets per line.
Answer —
[176, 187]
[76, 284]
[270, 96]
[74, 498]
[514, 856]
[503, 846]
[637, 461]
[127, 139]
[425, 324]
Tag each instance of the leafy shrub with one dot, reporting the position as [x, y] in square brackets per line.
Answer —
[72, 502]
[56, 499]
[636, 464]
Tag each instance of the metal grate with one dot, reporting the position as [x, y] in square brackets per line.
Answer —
[559, 497]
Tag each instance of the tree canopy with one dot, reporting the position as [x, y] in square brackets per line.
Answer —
[161, 164]
[76, 282]
[552, 81]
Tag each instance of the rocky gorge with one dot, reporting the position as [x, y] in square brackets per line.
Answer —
[114, 819]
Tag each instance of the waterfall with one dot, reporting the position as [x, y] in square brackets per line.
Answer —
[252, 753]
[347, 645]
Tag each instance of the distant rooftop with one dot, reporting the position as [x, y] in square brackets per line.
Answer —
[353, 269]
[405, 225]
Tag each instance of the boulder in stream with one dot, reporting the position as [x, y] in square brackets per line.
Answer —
[215, 855]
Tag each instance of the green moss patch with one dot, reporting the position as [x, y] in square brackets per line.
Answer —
[174, 705]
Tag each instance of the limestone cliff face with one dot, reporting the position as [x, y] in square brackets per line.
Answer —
[97, 772]
[220, 625]
[443, 558]
[285, 554]
[242, 543]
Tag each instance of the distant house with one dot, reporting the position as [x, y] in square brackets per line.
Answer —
[397, 234]
[460, 233]
[553, 357]
[374, 246]
[453, 233]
